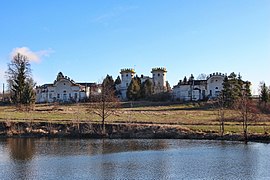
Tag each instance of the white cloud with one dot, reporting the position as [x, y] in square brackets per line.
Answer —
[32, 56]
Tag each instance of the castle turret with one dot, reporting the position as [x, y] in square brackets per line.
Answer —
[215, 84]
[159, 79]
[126, 77]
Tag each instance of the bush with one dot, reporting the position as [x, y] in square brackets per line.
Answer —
[166, 96]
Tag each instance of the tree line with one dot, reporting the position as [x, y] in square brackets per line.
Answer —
[236, 95]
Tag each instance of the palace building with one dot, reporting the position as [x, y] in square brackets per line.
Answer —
[195, 90]
[158, 80]
[65, 89]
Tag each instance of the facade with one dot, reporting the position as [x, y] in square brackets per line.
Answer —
[158, 79]
[195, 90]
[65, 90]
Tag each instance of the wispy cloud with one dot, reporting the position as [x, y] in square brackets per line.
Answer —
[34, 56]
[115, 12]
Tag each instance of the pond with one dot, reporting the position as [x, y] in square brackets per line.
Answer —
[42, 158]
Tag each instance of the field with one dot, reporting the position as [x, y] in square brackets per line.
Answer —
[200, 117]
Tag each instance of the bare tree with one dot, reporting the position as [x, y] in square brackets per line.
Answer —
[202, 76]
[221, 112]
[105, 104]
[247, 111]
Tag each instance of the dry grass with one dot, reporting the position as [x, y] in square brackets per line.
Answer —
[193, 116]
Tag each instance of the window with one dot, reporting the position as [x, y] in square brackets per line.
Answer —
[58, 96]
[154, 74]
[158, 74]
[127, 75]
[216, 87]
[50, 95]
[75, 95]
[64, 84]
[126, 84]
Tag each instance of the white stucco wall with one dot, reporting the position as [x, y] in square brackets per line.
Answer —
[63, 90]
[126, 77]
[159, 80]
[214, 85]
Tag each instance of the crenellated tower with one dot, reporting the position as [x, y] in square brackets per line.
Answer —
[159, 79]
[126, 76]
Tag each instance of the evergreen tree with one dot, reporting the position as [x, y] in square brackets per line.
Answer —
[118, 80]
[20, 81]
[117, 83]
[134, 89]
[247, 90]
[185, 80]
[239, 86]
[226, 93]
[108, 82]
[264, 94]
[233, 89]
[191, 78]
[147, 89]
[268, 92]
[28, 95]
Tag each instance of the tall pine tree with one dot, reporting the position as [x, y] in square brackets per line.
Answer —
[264, 94]
[20, 81]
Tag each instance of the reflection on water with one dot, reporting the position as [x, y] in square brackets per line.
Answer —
[21, 148]
[30, 158]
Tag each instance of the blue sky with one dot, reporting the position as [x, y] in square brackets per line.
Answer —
[88, 39]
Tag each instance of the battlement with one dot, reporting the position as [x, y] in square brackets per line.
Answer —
[127, 70]
[216, 74]
[159, 69]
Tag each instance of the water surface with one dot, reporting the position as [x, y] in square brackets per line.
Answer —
[29, 158]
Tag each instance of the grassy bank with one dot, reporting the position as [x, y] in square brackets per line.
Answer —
[199, 117]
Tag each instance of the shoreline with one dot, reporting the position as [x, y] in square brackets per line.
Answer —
[116, 131]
